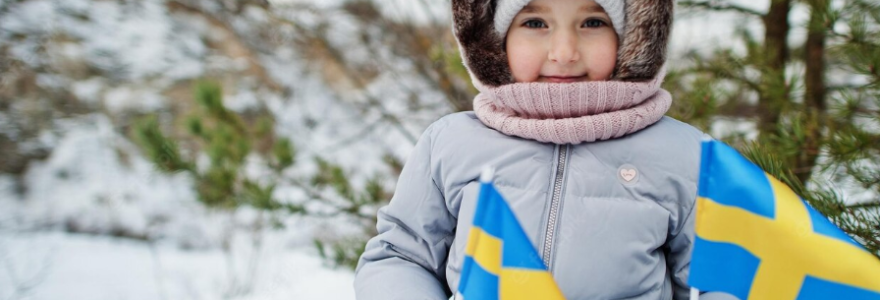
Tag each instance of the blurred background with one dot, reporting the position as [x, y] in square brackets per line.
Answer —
[239, 149]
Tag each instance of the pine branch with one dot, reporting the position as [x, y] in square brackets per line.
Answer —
[865, 205]
[849, 87]
[714, 5]
[338, 208]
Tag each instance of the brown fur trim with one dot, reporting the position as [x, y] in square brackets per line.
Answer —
[640, 56]
[643, 51]
[482, 49]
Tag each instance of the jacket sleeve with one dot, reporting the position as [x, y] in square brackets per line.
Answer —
[678, 259]
[407, 259]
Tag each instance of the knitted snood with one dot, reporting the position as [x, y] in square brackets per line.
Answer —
[572, 113]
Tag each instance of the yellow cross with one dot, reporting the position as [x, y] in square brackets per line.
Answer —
[787, 246]
[513, 283]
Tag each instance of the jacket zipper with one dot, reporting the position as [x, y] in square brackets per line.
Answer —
[554, 205]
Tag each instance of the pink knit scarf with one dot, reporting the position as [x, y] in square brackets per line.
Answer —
[572, 113]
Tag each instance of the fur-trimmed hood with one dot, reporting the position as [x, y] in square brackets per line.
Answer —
[639, 58]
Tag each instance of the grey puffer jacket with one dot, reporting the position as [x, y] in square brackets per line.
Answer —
[611, 219]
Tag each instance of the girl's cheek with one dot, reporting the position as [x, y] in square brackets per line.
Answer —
[524, 61]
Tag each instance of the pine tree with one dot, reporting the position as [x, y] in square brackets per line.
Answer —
[358, 204]
[228, 141]
[814, 105]
[221, 183]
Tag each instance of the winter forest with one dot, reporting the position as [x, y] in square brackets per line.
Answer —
[240, 149]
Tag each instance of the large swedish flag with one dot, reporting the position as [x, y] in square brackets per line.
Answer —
[500, 262]
[756, 239]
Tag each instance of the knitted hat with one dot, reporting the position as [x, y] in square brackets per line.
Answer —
[646, 27]
[506, 10]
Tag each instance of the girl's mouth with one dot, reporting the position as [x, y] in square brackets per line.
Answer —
[563, 79]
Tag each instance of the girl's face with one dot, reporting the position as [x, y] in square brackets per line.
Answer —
[561, 41]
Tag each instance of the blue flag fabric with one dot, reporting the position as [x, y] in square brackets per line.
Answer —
[500, 261]
[756, 239]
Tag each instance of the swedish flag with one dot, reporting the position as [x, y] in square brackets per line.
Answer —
[500, 262]
[756, 239]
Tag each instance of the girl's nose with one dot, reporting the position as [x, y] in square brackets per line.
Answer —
[563, 47]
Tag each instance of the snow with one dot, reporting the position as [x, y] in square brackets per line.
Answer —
[94, 172]
[138, 37]
[71, 266]
[89, 90]
[119, 99]
[733, 127]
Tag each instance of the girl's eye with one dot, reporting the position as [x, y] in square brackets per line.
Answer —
[534, 24]
[593, 23]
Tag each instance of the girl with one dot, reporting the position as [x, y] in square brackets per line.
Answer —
[570, 114]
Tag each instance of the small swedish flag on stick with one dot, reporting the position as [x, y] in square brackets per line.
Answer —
[500, 261]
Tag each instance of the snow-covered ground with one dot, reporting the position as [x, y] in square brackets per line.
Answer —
[51, 266]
